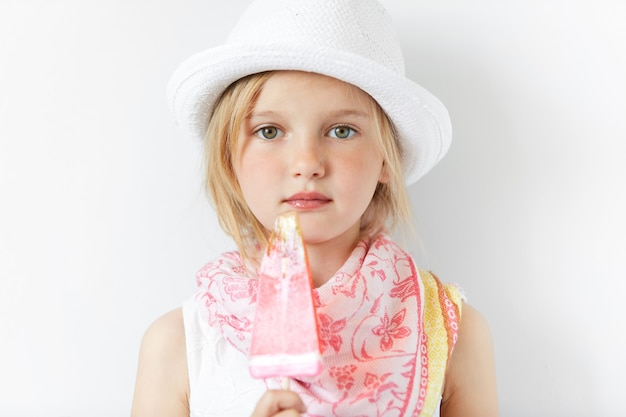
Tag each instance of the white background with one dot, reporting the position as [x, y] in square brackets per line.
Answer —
[103, 221]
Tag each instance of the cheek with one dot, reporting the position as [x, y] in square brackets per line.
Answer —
[371, 167]
[256, 175]
[254, 166]
[245, 165]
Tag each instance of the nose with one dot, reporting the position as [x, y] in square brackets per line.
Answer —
[307, 158]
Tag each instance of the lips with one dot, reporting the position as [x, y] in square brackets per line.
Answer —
[307, 200]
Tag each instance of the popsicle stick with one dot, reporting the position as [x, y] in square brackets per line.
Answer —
[286, 381]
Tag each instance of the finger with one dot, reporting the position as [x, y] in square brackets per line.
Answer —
[288, 413]
[275, 401]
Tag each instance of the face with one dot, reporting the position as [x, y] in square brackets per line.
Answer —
[310, 145]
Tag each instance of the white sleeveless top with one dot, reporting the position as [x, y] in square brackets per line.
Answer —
[219, 380]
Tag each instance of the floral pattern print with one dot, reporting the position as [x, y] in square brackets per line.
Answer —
[390, 329]
[330, 332]
[386, 330]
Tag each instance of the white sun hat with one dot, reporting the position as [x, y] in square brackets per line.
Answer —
[351, 40]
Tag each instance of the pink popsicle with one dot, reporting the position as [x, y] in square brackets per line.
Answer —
[285, 338]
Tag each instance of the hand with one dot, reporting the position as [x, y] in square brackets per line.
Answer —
[279, 403]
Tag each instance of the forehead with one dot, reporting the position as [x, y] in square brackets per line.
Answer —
[283, 88]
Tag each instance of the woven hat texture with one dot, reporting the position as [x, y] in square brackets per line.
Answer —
[351, 40]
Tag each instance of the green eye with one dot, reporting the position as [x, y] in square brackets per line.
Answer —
[268, 132]
[341, 132]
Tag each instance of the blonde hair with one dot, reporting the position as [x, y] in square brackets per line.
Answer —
[389, 205]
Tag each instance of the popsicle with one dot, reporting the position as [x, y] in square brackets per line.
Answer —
[285, 337]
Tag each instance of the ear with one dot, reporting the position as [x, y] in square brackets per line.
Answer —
[383, 178]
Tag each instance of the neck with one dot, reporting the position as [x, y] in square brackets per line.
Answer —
[326, 258]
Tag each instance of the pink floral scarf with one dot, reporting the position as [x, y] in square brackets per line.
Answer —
[372, 333]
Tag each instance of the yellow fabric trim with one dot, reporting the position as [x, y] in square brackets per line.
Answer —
[440, 334]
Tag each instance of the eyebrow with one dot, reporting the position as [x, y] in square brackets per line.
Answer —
[349, 112]
[333, 114]
[265, 113]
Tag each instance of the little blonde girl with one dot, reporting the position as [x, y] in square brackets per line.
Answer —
[306, 108]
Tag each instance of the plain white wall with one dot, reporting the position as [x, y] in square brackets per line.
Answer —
[103, 222]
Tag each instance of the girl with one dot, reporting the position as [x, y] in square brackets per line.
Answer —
[306, 108]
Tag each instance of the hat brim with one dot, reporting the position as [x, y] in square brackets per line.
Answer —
[420, 119]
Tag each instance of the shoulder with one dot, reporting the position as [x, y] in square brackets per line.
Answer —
[470, 385]
[164, 340]
[169, 324]
[162, 381]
